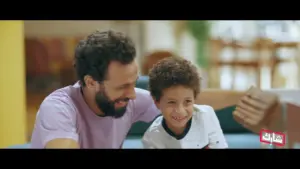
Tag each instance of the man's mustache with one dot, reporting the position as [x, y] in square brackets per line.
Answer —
[125, 100]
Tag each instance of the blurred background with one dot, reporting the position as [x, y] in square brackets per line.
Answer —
[231, 55]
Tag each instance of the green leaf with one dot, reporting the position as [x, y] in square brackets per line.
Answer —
[200, 30]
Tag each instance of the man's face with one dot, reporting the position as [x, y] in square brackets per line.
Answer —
[113, 94]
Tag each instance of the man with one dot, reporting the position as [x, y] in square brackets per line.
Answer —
[258, 110]
[99, 110]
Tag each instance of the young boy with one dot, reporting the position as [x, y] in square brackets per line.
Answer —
[174, 85]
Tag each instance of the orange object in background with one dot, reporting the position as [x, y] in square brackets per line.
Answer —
[153, 58]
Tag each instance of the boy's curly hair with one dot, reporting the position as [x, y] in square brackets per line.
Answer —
[173, 71]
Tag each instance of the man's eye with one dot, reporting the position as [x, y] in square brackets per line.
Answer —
[121, 88]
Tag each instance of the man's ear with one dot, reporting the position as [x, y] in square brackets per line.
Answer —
[156, 102]
[89, 81]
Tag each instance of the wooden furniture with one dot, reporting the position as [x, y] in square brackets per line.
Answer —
[152, 58]
[251, 57]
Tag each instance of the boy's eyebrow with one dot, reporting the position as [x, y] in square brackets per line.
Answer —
[170, 98]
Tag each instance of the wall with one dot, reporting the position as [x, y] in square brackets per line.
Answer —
[62, 28]
[160, 35]
[148, 36]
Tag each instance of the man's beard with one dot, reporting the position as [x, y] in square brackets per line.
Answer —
[107, 106]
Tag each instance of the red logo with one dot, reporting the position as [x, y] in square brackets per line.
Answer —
[271, 137]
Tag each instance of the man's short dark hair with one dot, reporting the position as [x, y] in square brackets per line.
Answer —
[94, 54]
[170, 72]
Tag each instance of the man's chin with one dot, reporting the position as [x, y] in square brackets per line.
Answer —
[120, 107]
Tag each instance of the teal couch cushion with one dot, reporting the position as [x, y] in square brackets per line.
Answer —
[22, 146]
[227, 122]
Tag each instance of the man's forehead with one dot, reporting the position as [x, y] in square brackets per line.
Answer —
[122, 72]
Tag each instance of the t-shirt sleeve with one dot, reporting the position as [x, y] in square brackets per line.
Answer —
[215, 135]
[56, 119]
[150, 141]
[144, 107]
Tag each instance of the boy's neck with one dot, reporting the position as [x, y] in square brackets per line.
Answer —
[177, 132]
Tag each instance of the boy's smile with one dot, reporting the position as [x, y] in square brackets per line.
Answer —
[177, 106]
[178, 118]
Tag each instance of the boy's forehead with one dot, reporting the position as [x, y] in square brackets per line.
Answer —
[178, 93]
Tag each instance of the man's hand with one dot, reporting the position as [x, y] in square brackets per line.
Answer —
[258, 109]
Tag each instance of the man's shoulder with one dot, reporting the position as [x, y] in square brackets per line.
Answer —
[141, 92]
[60, 96]
[61, 100]
[143, 98]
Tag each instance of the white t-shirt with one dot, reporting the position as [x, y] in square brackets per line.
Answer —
[203, 132]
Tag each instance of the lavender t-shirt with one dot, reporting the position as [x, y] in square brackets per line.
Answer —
[64, 114]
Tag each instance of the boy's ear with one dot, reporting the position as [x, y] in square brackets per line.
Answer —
[156, 102]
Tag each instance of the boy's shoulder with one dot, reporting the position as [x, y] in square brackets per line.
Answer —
[202, 112]
[203, 108]
[155, 131]
[155, 127]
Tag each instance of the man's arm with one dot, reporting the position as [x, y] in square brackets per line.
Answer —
[258, 109]
[216, 136]
[144, 108]
[55, 124]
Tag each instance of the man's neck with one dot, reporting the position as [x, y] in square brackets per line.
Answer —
[90, 102]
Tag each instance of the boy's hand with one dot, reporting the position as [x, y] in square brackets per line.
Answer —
[258, 109]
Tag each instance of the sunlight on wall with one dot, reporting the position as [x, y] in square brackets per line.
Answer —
[159, 35]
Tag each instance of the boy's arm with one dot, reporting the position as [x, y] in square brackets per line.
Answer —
[216, 136]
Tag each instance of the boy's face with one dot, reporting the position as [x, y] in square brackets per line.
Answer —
[176, 105]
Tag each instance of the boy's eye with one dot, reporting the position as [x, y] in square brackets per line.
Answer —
[188, 101]
[171, 102]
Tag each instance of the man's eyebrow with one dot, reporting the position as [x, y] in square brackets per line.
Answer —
[127, 84]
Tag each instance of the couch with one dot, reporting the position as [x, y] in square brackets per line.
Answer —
[236, 135]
